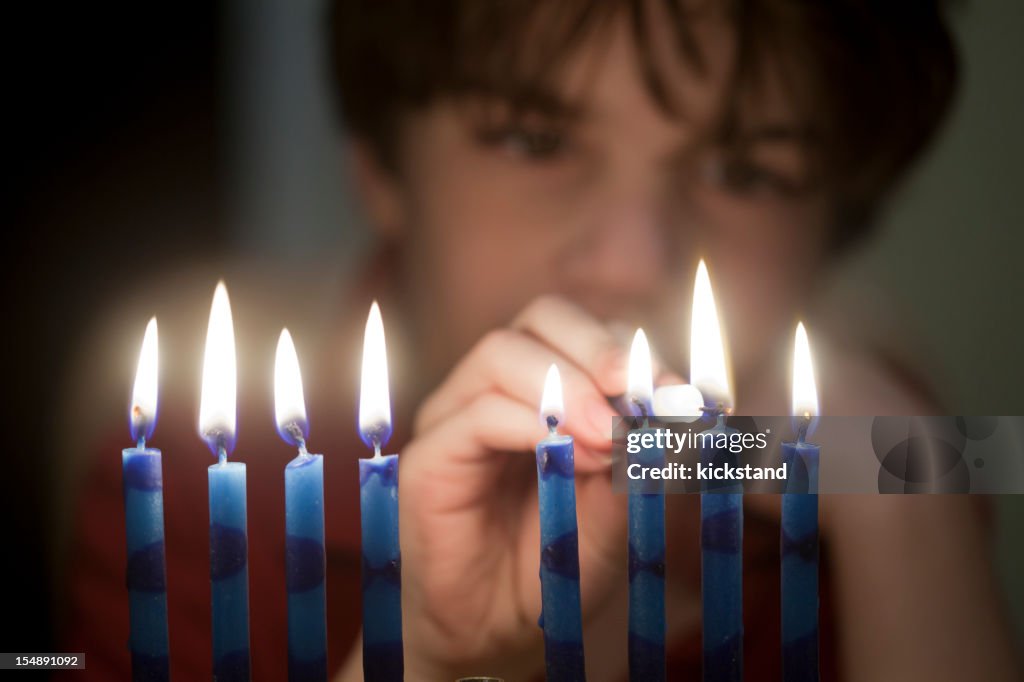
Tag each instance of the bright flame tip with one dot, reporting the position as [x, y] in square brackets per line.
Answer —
[640, 390]
[805, 392]
[552, 405]
[805, 389]
[374, 392]
[708, 368]
[289, 401]
[217, 405]
[143, 410]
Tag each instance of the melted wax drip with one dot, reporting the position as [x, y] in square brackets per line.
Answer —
[387, 471]
[562, 555]
[556, 466]
[390, 572]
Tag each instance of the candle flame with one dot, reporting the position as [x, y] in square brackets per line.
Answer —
[708, 371]
[289, 403]
[142, 414]
[678, 402]
[805, 390]
[640, 390]
[374, 395]
[217, 402]
[552, 408]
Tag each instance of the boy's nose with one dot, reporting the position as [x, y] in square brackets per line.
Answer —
[623, 250]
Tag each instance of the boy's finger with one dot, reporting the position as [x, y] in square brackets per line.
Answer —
[512, 363]
[463, 448]
[573, 332]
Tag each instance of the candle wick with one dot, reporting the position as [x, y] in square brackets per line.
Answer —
[222, 454]
[801, 433]
[552, 422]
[141, 444]
[376, 447]
[296, 433]
[641, 406]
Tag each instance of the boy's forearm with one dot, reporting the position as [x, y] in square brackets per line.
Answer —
[917, 596]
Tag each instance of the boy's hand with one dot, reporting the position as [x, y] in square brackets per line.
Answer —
[470, 531]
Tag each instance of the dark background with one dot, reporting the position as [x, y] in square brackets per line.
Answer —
[113, 114]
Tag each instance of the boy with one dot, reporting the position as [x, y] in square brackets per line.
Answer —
[550, 172]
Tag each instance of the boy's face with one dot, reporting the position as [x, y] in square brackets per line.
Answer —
[609, 202]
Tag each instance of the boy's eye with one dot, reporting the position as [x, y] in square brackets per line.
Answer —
[744, 176]
[530, 143]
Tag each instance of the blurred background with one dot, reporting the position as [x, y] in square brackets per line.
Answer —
[156, 146]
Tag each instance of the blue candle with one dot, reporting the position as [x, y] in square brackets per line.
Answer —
[382, 569]
[561, 615]
[378, 499]
[144, 518]
[646, 533]
[799, 541]
[229, 573]
[721, 503]
[721, 543]
[304, 525]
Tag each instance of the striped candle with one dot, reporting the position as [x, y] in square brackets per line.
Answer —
[382, 569]
[305, 566]
[304, 524]
[561, 616]
[647, 569]
[799, 538]
[721, 503]
[146, 574]
[383, 659]
[143, 489]
[229, 570]
[799, 547]
[646, 529]
[721, 544]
